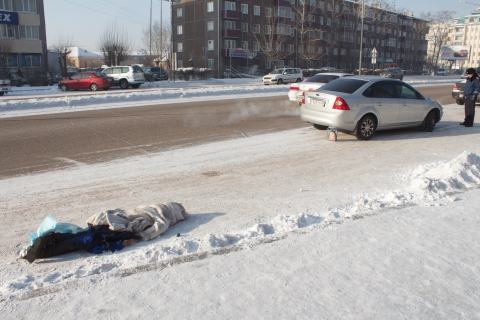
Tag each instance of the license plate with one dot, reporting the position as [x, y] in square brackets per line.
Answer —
[319, 103]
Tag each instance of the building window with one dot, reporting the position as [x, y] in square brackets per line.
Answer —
[244, 8]
[211, 63]
[268, 29]
[256, 46]
[268, 12]
[256, 28]
[210, 6]
[245, 45]
[179, 29]
[210, 45]
[256, 10]
[31, 60]
[7, 31]
[26, 5]
[179, 12]
[230, 44]
[180, 64]
[6, 5]
[244, 26]
[180, 47]
[210, 26]
[29, 32]
[230, 6]
[230, 25]
[268, 64]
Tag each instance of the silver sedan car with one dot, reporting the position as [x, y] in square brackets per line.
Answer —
[312, 83]
[363, 105]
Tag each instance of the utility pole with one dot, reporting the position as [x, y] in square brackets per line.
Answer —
[361, 40]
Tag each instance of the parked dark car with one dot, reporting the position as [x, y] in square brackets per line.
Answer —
[155, 74]
[38, 79]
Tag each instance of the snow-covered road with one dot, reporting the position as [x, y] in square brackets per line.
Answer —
[283, 226]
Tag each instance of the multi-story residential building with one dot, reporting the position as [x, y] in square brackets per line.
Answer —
[218, 34]
[465, 31]
[22, 34]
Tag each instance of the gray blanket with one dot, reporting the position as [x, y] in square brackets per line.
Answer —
[148, 221]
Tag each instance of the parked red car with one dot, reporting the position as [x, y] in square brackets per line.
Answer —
[86, 80]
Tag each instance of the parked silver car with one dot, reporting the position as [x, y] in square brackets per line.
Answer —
[312, 83]
[363, 105]
[394, 73]
[125, 76]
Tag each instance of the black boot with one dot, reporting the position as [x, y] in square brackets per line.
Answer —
[463, 123]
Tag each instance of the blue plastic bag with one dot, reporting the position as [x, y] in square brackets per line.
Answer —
[50, 224]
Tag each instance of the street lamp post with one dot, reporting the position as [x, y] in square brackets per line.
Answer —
[361, 40]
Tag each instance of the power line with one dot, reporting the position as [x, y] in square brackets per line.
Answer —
[124, 19]
[113, 7]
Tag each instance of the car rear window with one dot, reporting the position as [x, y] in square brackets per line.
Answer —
[137, 69]
[322, 78]
[155, 69]
[344, 85]
[100, 74]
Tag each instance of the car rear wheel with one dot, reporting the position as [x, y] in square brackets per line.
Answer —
[460, 102]
[299, 80]
[319, 127]
[93, 87]
[429, 122]
[63, 87]
[280, 81]
[366, 128]
[124, 84]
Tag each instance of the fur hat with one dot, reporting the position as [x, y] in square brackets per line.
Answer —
[470, 71]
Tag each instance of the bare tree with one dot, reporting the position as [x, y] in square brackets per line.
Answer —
[438, 35]
[7, 47]
[272, 37]
[115, 45]
[161, 43]
[63, 47]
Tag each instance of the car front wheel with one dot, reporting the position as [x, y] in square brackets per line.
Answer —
[93, 87]
[460, 102]
[429, 122]
[280, 81]
[366, 128]
[63, 87]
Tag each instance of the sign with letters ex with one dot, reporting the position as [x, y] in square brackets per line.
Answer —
[9, 17]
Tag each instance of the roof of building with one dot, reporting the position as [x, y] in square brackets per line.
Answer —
[83, 53]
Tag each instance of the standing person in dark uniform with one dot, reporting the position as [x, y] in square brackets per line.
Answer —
[471, 91]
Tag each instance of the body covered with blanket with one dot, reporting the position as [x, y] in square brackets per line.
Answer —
[148, 221]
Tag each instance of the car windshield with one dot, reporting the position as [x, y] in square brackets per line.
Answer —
[321, 78]
[277, 71]
[344, 85]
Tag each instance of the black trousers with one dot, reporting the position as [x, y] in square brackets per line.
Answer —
[469, 110]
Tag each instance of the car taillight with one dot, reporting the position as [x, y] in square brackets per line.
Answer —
[340, 104]
[294, 88]
[455, 87]
[303, 97]
[312, 89]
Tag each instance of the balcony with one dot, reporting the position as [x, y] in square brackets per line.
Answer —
[407, 28]
[228, 33]
[230, 14]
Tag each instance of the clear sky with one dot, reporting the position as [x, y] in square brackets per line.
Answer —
[85, 20]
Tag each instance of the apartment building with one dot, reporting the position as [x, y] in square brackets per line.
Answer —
[220, 34]
[465, 31]
[22, 34]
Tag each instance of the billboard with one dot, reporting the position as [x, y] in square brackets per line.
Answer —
[455, 52]
[8, 17]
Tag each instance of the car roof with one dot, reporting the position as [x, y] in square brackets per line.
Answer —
[334, 73]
